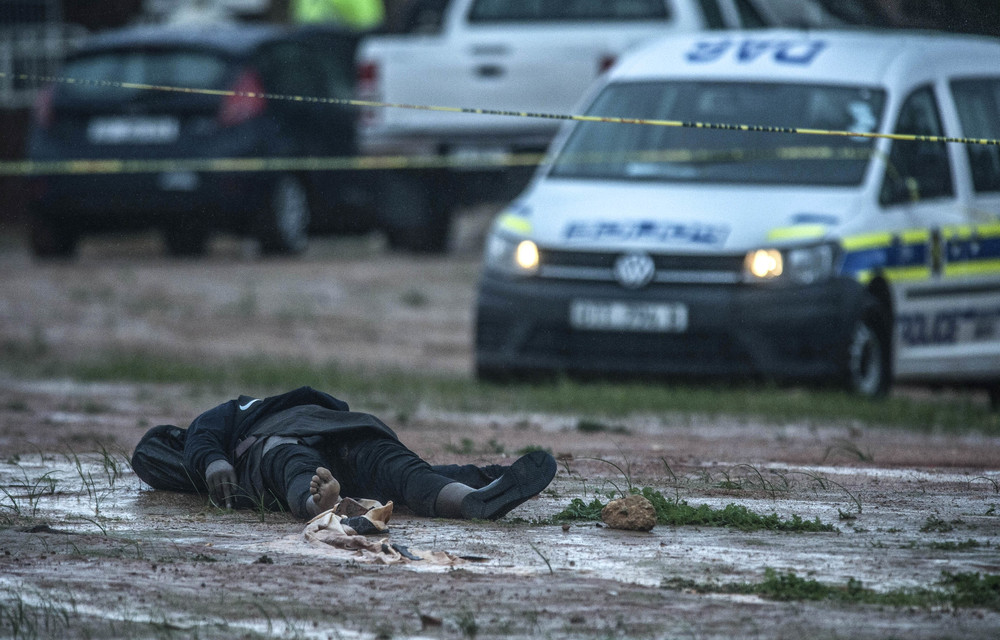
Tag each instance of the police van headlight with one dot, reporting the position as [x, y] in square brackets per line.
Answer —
[799, 265]
[511, 254]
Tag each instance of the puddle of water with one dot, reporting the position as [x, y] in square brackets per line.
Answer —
[178, 621]
[882, 545]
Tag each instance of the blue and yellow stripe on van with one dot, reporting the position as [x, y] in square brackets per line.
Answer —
[896, 256]
[919, 254]
[971, 251]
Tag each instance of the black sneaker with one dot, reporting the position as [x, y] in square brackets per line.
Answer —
[524, 479]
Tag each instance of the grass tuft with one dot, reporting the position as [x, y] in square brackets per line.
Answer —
[961, 590]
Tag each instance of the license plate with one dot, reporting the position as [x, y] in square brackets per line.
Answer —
[134, 130]
[461, 157]
[670, 317]
[178, 181]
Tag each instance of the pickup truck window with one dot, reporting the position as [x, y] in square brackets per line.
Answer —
[978, 103]
[596, 150]
[566, 10]
[424, 16]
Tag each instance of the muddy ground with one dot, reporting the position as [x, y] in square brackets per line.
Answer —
[87, 551]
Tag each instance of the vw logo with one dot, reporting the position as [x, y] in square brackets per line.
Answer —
[634, 270]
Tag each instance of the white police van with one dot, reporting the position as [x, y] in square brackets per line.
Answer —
[698, 251]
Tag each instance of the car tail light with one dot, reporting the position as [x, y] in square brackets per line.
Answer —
[367, 89]
[246, 101]
[367, 79]
[43, 106]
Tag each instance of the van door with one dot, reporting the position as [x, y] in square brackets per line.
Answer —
[977, 101]
[974, 251]
[938, 301]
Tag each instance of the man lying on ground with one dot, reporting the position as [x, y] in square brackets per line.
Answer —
[300, 451]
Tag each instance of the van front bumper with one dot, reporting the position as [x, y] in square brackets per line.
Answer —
[791, 333]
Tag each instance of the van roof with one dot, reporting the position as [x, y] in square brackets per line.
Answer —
[864, 58]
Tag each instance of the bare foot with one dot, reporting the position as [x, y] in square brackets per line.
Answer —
[325, 490]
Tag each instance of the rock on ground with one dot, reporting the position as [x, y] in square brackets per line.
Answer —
[634, 513]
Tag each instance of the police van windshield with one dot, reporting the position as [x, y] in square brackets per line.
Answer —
[617, 151]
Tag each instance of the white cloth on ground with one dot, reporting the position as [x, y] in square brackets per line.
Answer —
[333, 528]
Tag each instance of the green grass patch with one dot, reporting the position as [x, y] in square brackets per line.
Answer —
[935, 524]
[956, 546]
[680, 513]
[593, 426]
[959, 590]
[948, 545]
[603, 403]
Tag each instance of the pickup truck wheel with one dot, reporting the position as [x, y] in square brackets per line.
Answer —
[51, 239]
[501, 375]
[284, 228]
[411, 218]
[491, 374]
[868, 355]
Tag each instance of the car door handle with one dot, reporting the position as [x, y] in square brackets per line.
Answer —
[490, 71]
[489, 50]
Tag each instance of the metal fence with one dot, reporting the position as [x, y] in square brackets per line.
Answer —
[29, 53]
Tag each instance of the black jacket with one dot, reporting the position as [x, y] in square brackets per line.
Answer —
[217, 433]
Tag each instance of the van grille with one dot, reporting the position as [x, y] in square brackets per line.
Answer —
[599, 267]
[693, 352]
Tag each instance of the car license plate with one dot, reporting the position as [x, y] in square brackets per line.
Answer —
[178, 181]
[133, 130]
[669, 317]
[474, 158]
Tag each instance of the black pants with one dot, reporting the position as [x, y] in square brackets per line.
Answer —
[378, 468]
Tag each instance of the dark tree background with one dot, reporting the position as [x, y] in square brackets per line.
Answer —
[962, 16]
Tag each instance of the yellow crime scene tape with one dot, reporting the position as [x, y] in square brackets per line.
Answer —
[92, 166]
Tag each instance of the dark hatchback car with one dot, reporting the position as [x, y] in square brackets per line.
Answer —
[91, 116]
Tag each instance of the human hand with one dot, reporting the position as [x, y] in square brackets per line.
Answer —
[220, 476]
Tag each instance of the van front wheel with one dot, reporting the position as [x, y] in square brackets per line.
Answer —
[868, 356]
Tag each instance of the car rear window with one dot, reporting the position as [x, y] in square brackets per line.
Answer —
[566, 10]
[688, 154]
[194, 69]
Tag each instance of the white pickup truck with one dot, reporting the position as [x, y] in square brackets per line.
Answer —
[536, 56]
